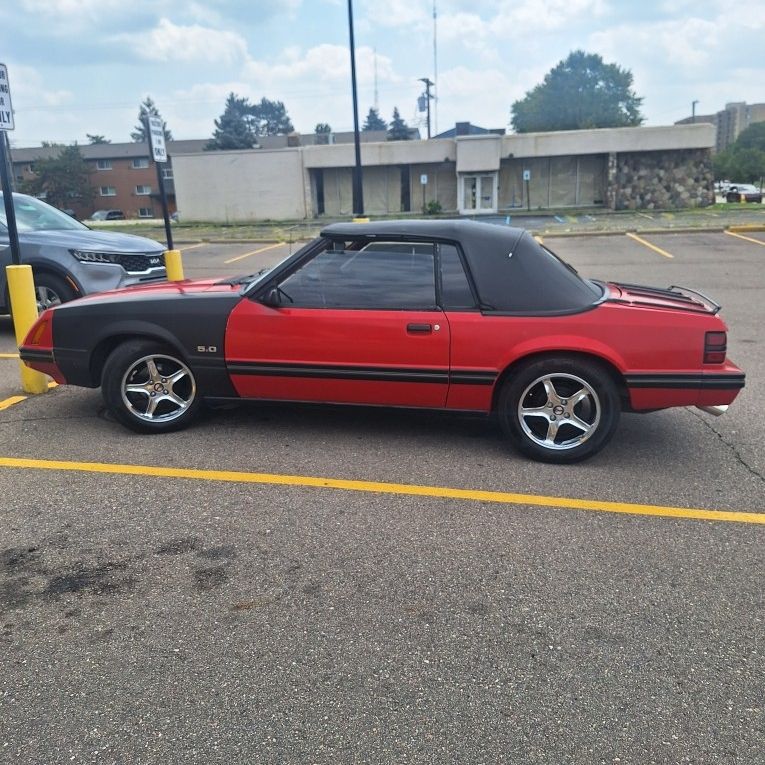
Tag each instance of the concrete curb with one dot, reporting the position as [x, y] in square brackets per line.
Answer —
[683, 230]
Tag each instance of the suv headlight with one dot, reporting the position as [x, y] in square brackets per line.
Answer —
[86, 256]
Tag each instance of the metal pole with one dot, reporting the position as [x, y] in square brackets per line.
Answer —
[161, 185]
[10, 211]
[358, 192]
[428, 98]
[163, 197]
[693, 111]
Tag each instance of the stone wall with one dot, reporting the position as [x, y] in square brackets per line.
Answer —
[662, 180]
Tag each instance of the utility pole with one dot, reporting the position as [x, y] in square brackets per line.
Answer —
[693, 111]
[428, 97]
[435, 66]
[358, 191]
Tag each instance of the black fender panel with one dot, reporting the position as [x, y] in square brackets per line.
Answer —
[193, 325]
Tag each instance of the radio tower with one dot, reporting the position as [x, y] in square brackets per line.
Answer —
[435, 70]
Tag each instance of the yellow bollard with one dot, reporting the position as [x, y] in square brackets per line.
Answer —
[21, 288]
[174, 265]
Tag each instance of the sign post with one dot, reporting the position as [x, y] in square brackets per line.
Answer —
[156, 132]
[423, 183]
[6, 123]
[21, 286]
[527, 179]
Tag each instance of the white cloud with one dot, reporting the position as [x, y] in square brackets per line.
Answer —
[171, 42]
[512, 20]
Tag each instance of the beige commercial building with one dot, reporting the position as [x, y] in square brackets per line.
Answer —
[616, 168]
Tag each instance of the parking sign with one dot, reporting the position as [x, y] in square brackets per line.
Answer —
[6, 110]
[157, 139]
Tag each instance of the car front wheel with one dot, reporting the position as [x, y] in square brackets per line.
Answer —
[51, 290]
[559, 409]
[149, 388]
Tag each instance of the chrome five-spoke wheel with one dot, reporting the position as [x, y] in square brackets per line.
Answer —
[560, 408]
[158, 388]
[559, 411]
[149, 387]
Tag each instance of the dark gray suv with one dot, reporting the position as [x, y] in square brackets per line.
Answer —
[69, 260]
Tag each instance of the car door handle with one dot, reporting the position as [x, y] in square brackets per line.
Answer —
[419, 329]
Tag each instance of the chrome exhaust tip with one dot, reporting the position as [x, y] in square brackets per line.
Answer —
[715, 410]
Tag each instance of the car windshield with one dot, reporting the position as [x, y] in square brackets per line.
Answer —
[34, 215]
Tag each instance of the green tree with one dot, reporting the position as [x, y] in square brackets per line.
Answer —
[64, 179]
[580, 92]
[270, 118]
[322, 130]
[148, 109]
[374, 121]
[94, 139]
[744, 160]
[235, 129]
[399, 130]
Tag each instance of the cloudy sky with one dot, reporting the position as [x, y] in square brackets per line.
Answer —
[83, 66]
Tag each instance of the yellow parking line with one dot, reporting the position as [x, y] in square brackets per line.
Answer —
[649, 245]
[11, 401]
[9, 355]
[192, 246]
[439, 492]
[539, 239]
[745, 238]
[254, 252]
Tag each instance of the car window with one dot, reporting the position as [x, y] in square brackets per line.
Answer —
[34, 215]
[371, 278]
[455, 288]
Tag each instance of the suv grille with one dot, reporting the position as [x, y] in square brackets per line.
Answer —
[135, 263]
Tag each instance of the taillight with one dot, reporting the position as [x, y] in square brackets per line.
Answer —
[41, 333]
[715, 345]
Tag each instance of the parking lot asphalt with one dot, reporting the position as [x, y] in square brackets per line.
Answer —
[279, 618]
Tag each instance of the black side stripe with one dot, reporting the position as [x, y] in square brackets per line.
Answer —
[378, 374]
[709, 381]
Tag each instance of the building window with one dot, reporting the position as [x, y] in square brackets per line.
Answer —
[104, 164]
[107, 191]
[145, 212]
[142, 191]
[140, 162]
[167, 173]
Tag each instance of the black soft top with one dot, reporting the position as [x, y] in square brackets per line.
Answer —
[512, 272]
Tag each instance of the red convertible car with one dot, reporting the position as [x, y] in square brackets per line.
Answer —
[452, 315]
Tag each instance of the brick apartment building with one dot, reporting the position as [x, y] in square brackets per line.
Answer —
[729, 122]
[123, 176]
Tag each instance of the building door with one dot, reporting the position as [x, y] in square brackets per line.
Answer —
[478, 194]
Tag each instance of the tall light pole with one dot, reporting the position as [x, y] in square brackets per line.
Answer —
[693, 111]
[358, 192]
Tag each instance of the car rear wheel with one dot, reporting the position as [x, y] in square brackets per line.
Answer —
[560, 409]
[149, 388]
[51, 290]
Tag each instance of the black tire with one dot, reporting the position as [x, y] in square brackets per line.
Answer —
[140, 372]
[556, 427]
[52, 290]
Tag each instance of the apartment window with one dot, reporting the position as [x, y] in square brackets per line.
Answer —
[140, 162]
[142, 191]
[145, 212]
[107, 191]
[104, 164]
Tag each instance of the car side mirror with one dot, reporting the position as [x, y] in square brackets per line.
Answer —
[271, 297]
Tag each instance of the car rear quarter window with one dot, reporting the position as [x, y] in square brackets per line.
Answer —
[455, 288]
[375, 278]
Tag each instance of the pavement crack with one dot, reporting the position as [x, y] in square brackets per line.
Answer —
[732, 447]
